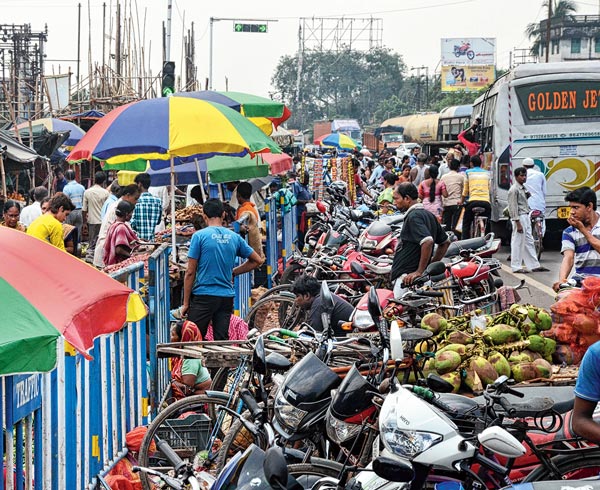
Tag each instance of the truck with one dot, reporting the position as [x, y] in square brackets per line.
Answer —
[349, 127]
[433, 130]
[390, 137]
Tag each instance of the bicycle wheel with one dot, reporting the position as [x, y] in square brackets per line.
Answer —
[576, 467]
[193, 427]
[275, 312]
[276, 290]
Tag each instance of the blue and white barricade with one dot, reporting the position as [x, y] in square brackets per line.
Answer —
[242, 283]
[159, 303]
[64, 427]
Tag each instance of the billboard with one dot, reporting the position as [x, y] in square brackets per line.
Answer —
[467, 78]
[469, 51]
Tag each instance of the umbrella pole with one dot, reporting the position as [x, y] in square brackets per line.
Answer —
[200, 179]
[173, 230]
[3, 176]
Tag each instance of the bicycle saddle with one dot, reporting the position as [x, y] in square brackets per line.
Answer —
[478, 210]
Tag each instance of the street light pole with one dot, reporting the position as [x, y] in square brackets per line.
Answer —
[210, 55]
[168, 33]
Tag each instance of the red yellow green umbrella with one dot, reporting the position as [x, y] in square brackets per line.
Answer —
[46, 294]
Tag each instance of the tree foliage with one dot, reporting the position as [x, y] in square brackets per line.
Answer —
[348, 84]
[561, 10]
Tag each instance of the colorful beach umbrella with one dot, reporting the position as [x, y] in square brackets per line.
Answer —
[339, 141]
[46, 293]
[54, 125]
[157, 130]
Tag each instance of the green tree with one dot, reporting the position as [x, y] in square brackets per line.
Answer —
[348, 84]
[561, 10]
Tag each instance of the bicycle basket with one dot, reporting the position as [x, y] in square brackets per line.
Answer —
[186, 436]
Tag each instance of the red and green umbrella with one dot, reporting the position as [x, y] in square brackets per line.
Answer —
[46, 294]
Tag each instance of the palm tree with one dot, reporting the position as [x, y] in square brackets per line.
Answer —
[561, 10]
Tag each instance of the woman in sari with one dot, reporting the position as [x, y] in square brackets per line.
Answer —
[189, 376]
[120, 239]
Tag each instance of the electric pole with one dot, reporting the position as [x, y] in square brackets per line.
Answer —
[548, 31]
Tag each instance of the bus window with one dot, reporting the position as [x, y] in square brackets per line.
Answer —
[504, 176]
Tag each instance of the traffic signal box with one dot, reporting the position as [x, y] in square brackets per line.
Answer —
[168, 79]
[239, 27]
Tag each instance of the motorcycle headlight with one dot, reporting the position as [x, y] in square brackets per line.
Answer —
[362, 319]
[339, 431]
[405, 443]
[288, 415]
[368, 244]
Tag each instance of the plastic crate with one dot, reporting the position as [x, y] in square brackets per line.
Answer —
[187, 436]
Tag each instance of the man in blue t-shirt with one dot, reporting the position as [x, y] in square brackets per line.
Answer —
[587, 395]
[208, 284]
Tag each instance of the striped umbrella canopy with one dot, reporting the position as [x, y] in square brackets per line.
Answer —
[56, 295]
[157, 130]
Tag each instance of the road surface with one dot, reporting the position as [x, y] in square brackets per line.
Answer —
[539, 284]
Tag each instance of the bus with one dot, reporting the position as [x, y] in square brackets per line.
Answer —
[549, 112]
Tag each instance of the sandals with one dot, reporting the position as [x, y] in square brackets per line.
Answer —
[540, 269]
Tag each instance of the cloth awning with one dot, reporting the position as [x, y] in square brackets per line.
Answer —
[16, 155]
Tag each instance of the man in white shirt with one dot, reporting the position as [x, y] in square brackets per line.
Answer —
[34, 210]
[536, 186]
[93, 200]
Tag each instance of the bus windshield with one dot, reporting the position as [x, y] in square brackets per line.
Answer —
[572, 99]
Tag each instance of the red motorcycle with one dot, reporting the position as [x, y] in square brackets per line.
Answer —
[464, 49]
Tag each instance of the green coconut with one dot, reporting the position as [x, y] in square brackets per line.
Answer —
[500, 364]
[447, 361]
[434, 323]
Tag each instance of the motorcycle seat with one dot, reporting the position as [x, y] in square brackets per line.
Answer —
[471, 244]
[412, 334]
[562, 397]
[382, 270]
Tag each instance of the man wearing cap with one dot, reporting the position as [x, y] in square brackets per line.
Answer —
[536, 186]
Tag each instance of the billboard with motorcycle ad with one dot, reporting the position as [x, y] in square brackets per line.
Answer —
[469, 51]
[457, 78]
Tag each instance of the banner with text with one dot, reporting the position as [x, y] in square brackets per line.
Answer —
[467, 78]
[469, 51]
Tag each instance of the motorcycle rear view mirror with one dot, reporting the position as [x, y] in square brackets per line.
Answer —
[373, 305]
[436, 268]
[326, 298]
[391, 469]
[275, 468]
[439, 384]
[357, 269]
[259, 357]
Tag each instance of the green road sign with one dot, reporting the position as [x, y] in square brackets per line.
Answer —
[242, 27]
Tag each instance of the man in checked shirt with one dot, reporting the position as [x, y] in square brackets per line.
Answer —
[148, 210]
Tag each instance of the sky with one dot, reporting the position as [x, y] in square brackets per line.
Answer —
[412, 28]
